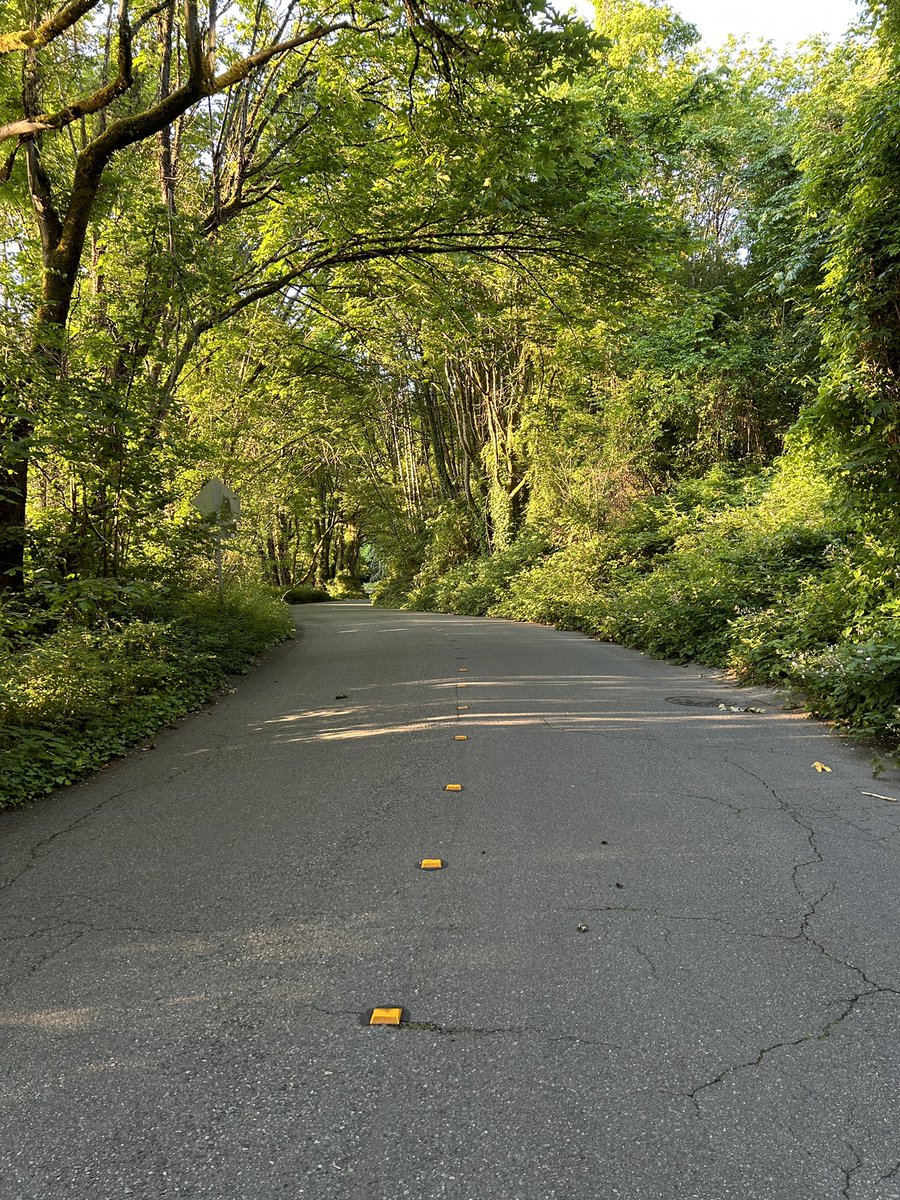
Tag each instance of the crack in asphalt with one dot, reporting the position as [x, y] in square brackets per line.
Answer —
[820, 1035]
[803, 935]
[831, 815]
[39, 962]
[82, 927]
[34, 851]
[817, 1097]
[737, 809]
[790, 812]
[654, 973]
[440, 1030]
[494, 1031]
[78, 930]
[468, 1030]
[57, 950]
[24, 937]
[811, 907]
[798, 1139]
[333, 1012]
[828, 814]
[457, 1030]
[849, 1172]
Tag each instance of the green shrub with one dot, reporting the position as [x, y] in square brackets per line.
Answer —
[689, 605]
[774, 575]
[820, 610]
[560, 590]
[345, 586]
[856, 683]
[735, 553]
[301, 593]
[473, 587]
[392, 592]
[79, 696]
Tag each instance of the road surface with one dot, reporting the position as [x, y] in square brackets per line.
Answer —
[660, 963]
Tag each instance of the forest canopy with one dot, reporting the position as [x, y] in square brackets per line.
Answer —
[490, 309]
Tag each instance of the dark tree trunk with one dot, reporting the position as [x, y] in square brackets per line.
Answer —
[13, 494]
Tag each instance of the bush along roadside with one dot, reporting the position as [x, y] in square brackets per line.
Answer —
[81, 694]
[302, 593]
[774, 576]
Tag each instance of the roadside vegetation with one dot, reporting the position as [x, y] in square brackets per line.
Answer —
[87, 690]
[475, 304]
[771, 575]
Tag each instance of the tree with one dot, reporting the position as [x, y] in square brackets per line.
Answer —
[851, 191]
[250, 72]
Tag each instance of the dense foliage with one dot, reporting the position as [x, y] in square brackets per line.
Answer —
[767, 574]
[84, 693]
[502, 313]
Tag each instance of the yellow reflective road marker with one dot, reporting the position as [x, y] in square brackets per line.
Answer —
[431, 864]
[386, 1016]
[463, 668]
[459, 685]
[460, 737]
[452, 787]
[462, 708]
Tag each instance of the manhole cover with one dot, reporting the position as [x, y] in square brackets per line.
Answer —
[713, 702]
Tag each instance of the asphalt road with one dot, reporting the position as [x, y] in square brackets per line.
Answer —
[193, 938]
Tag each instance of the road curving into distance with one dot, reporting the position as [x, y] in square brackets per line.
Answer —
[659, 959]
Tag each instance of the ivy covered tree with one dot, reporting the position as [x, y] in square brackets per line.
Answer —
[851, 193]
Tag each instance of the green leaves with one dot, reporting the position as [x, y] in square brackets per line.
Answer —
[74, 699]
[851, 188]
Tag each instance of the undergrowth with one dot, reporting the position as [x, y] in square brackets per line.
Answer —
[88, 690]
[775, 576]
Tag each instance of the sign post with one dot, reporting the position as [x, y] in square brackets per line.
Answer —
[220, 503]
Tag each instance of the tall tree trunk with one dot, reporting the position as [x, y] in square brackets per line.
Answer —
[14, 434]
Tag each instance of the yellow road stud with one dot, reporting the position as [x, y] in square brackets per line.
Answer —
[431, 864]
[460, 737]
[462, 668]
[462, 707]
[452, 787]
[386, 1016]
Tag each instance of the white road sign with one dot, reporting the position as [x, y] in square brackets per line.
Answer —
[215, 499]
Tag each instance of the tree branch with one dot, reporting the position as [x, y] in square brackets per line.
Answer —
[148, 16]
[486, 245]
[47, 31]
[84, 107]
[240, 70]
[6, 169]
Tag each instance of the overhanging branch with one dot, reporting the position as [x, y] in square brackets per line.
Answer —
[87, 105]
[47, 31]
[492, 246]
